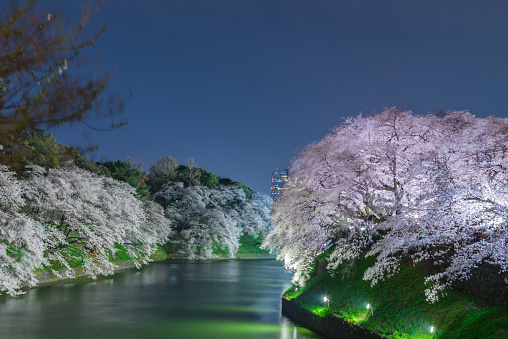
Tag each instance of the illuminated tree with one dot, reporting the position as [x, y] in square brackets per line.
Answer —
[23, 240]
[93, 214]
[422, 184]
[205, 218]
[462, 211]
[63, 217]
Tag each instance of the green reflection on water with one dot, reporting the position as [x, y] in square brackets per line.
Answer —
[266, 285]
[236, 308]
[254, 299]
[163, 300]
[214, 329]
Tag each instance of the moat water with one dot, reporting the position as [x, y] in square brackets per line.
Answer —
[173, 299]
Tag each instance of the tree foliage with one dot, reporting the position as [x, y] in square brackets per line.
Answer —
[207, 179]
[67, 216]
[44, 81]
[167, 170]
[35, 146]
[249, 192]
[422, 185]
[205, 217]
[23, 240]
[162, 171]
[128, 172]
[94, 212]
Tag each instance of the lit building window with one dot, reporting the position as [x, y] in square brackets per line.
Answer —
[279, 179]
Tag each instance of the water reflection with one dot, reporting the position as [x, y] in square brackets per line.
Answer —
[177, 299]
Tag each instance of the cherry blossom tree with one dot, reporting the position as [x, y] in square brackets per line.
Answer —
[205, 218]
[93, 214]
[423, 184]
[68, 215]
[460, 218]
[23, 240]
[256, 215]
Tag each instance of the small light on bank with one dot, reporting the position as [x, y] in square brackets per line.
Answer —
[432, 330]
[371, 309]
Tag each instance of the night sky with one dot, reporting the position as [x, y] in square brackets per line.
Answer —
[242, 85]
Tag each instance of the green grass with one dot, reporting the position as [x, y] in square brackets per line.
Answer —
[250, 244]
[74, 254]
[159, 254]
[219, 250]
[120, 254]
[400, 308]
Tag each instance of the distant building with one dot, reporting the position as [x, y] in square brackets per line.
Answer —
[279, 179]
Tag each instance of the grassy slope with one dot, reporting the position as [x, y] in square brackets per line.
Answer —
[400, 309]
[251, 244]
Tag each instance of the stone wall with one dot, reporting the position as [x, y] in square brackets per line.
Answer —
[486, 284]
[330, 326]
[255, 256]
[48, 277]
[225, 256]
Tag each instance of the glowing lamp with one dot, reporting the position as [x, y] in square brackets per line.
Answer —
[371, 309]
[327, 301]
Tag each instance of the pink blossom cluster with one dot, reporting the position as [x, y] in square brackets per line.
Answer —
[427, 187]
[205, 217]
[63, 215]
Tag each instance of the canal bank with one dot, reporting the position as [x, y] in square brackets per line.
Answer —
[331, 326]
[396, 307]
[225, 256]
[48, 277]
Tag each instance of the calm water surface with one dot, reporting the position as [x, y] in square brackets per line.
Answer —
[174, 299]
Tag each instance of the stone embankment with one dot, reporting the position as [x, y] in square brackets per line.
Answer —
[225, 256]
[331, 326]
[48, 277]
[486, 283]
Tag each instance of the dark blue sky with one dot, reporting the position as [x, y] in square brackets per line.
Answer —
[241, 85]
